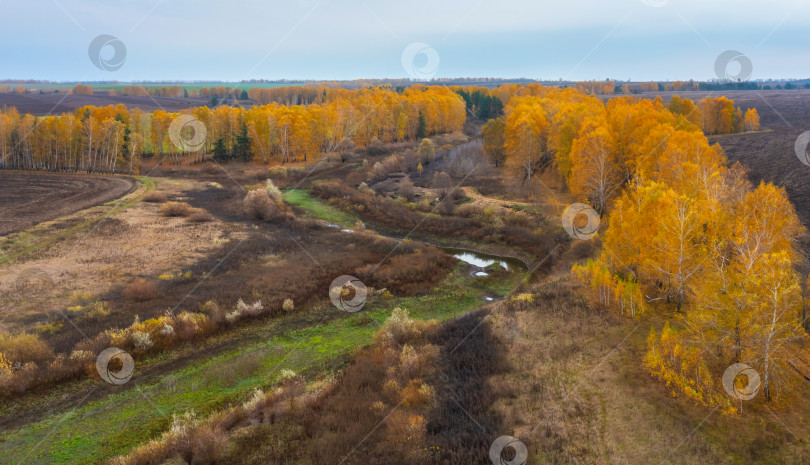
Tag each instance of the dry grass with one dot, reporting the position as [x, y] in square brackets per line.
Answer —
[200, 216]
[252, 269]
[259, 206]
[140, 290]
[22, 348]
[174, 209]
[537, 239]
[97, 264]
[155, 197]
[577, 393]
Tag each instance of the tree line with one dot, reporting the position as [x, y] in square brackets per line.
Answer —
[113, 139]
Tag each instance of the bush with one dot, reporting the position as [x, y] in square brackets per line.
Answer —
[200, 216]
[463, 160]
[398, 329]
[191, 324]
[406, 188]
[207, 444]
[260, 207]
[22, 348]
[345, 145]
[277, 172]
[427, 152]
[288, 305]
[173, 209]
[140, 290]
[274, 193]
[155, 197]
[390, 164]
[581, 249]
[376, 147]
[212, 310]
[442, 181]
[410, 161]
[141, 340]
[251, 310]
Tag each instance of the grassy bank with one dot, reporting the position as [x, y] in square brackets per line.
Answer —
[314, 208]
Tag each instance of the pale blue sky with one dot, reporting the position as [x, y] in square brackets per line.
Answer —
[348, 39]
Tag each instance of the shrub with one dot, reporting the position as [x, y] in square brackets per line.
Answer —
[416, 393]
[391, 390]
[251, 310]
[427, 152]
[167, 330]
[207, 444]
[200, 216]
[442, 180]
[140, 290]
[390, 164]
[581, 249]
[397, 329]
[191, 324]
[277, 172]
[345, 145]
[22, 379]
[154, 451]
[524, 298]
[464, 159]
[274, 192]
[409, 361]
[155, 197]
[376, 147]
[232, 316]
[173, 209]
[81, 356]
[215, 314]
[288, 305]
[22, 348]
[256, 401]
[406, 188]
[141, 340]
[260, 207]
[363, 187]
[410, 161]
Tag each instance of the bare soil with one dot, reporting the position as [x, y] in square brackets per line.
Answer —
[31, 198]
[56, 104]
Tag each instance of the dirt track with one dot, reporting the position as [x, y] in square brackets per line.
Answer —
[30, 198]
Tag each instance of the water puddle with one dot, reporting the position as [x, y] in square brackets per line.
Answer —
[485, 264]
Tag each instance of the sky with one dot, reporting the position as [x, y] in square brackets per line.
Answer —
[348, 39]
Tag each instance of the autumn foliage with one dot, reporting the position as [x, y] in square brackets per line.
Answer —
[684, 230]
[112, 139]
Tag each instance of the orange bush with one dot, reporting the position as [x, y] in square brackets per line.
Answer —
[22, 348]
[140, 290]
[176, 209]
[155, 197]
